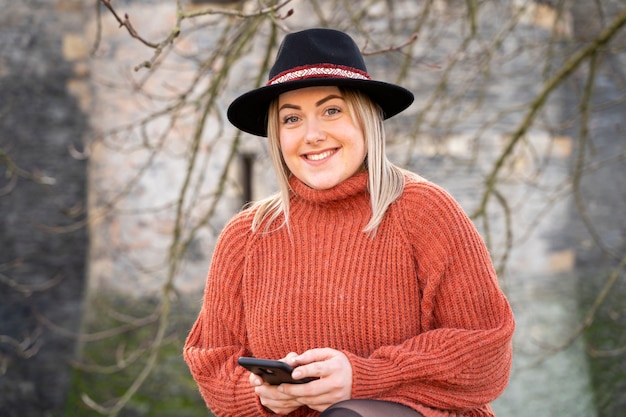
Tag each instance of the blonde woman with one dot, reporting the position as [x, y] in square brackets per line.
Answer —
[363, 277]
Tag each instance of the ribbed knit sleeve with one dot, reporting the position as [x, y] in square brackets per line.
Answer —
[461, 359]
[217, 338]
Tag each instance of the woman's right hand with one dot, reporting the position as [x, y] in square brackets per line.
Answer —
[272, 399]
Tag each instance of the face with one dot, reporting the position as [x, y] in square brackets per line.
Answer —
[319, 141]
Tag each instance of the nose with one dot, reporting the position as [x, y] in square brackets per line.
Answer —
[314, 133]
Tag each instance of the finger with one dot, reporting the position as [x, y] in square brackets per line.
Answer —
[302, 391]
[315, 369]
[273, 393]
[290, 358]
[273, 399]
[315, 355]
[255, 380]
[280, 407]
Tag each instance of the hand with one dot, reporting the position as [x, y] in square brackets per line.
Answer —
[334, 371]
[269, 395]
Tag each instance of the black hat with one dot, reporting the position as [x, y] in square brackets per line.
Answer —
[315, 57]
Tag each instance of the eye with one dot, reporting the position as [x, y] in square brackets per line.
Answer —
[290, 119]
[332, 111]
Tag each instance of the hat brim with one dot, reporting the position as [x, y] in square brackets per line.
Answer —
[249, 111]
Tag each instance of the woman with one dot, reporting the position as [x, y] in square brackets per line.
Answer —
[359, 274]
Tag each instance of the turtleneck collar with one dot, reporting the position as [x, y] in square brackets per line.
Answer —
[357, 184]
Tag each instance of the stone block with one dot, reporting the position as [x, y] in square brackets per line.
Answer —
[562, 261]
[80, 90]
[69, 5]
[75, 47]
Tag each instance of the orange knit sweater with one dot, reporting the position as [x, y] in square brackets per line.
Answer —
[417, 309]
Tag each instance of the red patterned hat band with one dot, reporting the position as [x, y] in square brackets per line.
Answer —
[319, 71]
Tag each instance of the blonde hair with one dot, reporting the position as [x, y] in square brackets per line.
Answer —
[385, 180]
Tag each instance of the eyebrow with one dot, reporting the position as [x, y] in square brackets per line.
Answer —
[317, 103]
[325, 99]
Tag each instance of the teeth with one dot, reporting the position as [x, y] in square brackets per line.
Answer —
[320, 156]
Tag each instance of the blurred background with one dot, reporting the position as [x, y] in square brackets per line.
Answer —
[118, 170]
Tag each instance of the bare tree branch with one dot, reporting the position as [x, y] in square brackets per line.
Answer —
[568, 68]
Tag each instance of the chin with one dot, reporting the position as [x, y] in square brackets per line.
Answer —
[322, 186]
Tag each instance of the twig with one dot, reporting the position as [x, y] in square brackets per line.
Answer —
[14, 170]
[91, 337]
[96, 43]
[125, 22]
[28, 347]
[606, 353]
[28, 290]
[392, 48]
[237, 13]
[423, 16]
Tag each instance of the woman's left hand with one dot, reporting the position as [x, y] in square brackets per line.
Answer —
[334, 371]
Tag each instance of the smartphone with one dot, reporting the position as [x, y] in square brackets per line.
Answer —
[272, 372]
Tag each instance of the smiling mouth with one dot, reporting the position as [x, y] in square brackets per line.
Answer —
[320, 156]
